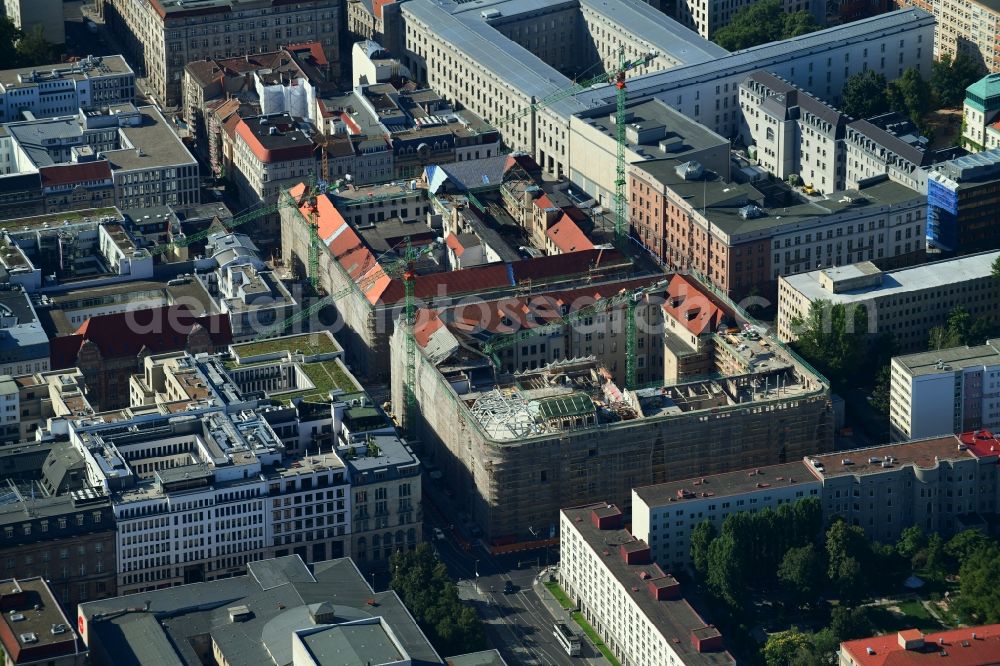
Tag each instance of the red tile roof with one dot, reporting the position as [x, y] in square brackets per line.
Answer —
[311, 52]
[567, 236]
[538, 310]
[982, 443]
[377, 6]
[455, 244]
[543, 202]
[68, 174]
[692, 307]
[268, 155]
[947, 648]
[124, 334]
[357, 259]
[427, 323]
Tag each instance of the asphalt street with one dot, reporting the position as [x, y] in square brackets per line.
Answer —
[518, 623]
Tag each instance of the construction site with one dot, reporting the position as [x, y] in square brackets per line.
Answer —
[516, 445]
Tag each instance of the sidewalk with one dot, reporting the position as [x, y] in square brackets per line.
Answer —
[560, 614]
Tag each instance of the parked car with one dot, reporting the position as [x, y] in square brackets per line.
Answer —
[438, 533]
[508, 588]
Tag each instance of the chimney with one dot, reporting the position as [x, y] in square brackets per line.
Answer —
[665, 588]
[607, 517]
[634, 552]
[911, 639]
[706, 639]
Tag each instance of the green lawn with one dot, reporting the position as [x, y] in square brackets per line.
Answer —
[558, 593]
[325, 376]
[913, 616]
[307, 343]
[594, 638]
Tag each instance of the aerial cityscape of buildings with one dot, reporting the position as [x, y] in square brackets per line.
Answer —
[324, 324]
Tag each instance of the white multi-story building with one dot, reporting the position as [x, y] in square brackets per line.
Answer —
[794, 132]
[58, 90]
[197, 497]
[636, 608]
[906, 303]
[944, 391]
[663, 515]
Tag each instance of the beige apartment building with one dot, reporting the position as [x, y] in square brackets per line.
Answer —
[970, 27]
[907, 303]
[162, 36]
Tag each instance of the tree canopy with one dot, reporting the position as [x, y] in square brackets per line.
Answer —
[950, 78]
[962, 328]
[782, 647]
[980, 597]
[20, 49]
[836, 341]
[864, 95]
[763, 22]
[423, 583]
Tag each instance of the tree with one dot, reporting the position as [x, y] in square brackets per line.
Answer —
[833, 339]
[934, 555]
[9, 35]
[763, 22]
[950, 78]
[962, 328]
[916, 94]
[32, 49]
[850, 623]
[801, 572]
[864, 95]
[880, 393]
[799, 23]
[847, 550]
[962, 546]
[725, 572]
[980, 595]
[996, 267]
[701, 540]
[423, 583]
[911, 541]
[782, 646]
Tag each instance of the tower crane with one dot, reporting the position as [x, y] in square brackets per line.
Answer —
[631, 299]
[617, 77]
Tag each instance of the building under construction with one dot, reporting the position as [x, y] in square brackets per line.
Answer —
[519, 443]
[360, 264]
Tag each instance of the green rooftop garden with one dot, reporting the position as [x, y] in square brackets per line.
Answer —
[56, 219]
[308, 343]
[326, 376]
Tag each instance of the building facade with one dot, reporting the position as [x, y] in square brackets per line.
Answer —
[57, 526]
[962, 195]
[793, 132]
[944, 391]
[166, 35]
[58, 90]
[743, 236]
[906, 303]
[636, 608]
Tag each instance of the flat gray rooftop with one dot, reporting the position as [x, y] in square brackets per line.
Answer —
[743, 62]
[721, 201]
[87, 68]
[954, 359]
[159, 145]
[724, 485]
[462, 24]
[916, 278]
[351, 644]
